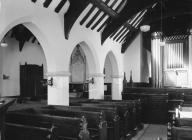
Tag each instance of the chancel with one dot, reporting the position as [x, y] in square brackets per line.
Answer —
[95, 69]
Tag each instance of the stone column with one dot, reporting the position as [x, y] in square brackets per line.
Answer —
[190, 58]
[96, 90]
[117, 87]
[157, 69]
[58, 93]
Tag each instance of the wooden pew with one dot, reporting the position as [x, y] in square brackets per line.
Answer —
[181, 125]
[183, 122]
[110, 114]
[4, 105]
[96, 120]
[152, 103]
[30, 126]
[128, 110]
[133, 106]
[125, 125]
[181, 133]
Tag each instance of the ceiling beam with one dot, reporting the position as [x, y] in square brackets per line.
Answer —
[128, 11]
[34, 1]
[75, 9]
[129, 38]
[105, 8]
[101, 18]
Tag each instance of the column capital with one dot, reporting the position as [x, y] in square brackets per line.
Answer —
[190, 31]
[117, 76]
[156, 35]
[58, 73]
[96, 75]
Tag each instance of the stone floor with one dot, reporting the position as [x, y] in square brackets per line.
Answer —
[152, 132]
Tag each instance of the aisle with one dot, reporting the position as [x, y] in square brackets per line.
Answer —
[152, 132]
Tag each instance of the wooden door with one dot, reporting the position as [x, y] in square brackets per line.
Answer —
[30, 81]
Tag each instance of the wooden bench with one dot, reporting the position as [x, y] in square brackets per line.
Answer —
[4, 105]
[30, 126]
[181, 133]
[110, 115]
[129, 110]
[181, 125]
[133, 106]
[97, 124]
[152, 103]
[123, 113]
[183, 122]
[96, 120]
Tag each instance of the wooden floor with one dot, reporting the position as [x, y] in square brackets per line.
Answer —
[152, 132]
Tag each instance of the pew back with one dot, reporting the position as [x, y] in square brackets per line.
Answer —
[41, 127]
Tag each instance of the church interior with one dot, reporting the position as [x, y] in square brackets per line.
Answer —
[95, 70]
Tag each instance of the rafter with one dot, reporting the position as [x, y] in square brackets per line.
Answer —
[47, 3]
[128, 11]
[34, 1]
[119, 32]
[123, 34]
[101, 18]
[75, 9]
[93, 19]
[60, 6]
[129, 38]
[104, 23]
[87, 15]
[105, 8]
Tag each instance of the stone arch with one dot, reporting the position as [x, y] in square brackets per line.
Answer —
[78, 65]
[27, 22]
[91, 56]
[92, 65]
[33, 27]
[92, 60]
[114, 75]
[114, 63]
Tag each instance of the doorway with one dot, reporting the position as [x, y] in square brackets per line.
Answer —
[31, 77]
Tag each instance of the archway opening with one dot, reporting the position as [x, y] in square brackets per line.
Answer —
[82, 68]
[22, 64]
[79, 74]
[110, 71]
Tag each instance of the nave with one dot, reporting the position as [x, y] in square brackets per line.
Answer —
[139, 116]
[95, 69]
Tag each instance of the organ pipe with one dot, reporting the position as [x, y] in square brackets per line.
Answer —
[156, 59]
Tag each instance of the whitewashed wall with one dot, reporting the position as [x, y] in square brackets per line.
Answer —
[12, 58]
[108, 70]
[48, 27]
[132, 60]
